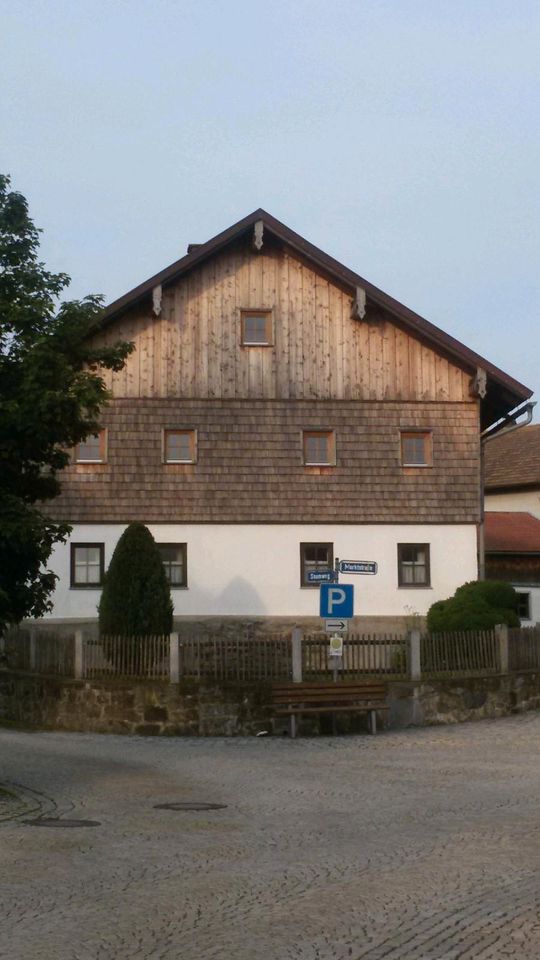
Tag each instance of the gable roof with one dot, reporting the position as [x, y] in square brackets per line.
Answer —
[513, 459]
[504, 392]
[508, 532]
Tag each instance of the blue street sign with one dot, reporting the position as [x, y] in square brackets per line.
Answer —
[357, 566]
[322, 576]
[337, 600]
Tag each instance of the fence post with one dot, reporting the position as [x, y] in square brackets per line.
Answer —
[415, 666]
[174, 658]
[501, 634]
[32, 650]
[79, 655]
[297, 655]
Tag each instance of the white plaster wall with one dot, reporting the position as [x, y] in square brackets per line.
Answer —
[524, 501]
[255, 570]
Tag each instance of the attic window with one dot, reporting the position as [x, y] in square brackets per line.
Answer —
[257, 328]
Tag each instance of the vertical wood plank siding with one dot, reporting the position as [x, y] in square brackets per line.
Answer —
[194, 348]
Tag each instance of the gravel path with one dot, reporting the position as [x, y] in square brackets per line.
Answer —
[414, 845]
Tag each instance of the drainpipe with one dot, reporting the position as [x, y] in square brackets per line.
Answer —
[489, 434]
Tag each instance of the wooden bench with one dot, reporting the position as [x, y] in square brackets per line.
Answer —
[297, 699]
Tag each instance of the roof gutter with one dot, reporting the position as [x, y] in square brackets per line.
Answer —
[508, 423]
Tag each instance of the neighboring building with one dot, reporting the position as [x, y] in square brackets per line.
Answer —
[512, 503]
[280, 412]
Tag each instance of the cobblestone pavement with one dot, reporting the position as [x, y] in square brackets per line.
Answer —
[414, 844]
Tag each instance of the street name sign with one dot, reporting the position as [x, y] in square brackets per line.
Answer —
[332, 625]
[322, 576]
[358, 566]
[336, 600]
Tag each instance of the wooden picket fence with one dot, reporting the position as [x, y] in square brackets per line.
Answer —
[364, 655]
[524, 648]
[237, 658]
[267, 658]
[145, 658]
[461, 653]
[47, 652]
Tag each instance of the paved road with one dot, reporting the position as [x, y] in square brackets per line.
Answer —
[414, 845]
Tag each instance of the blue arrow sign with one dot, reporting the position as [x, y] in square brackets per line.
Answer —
[336, 600]
[322, 576]
[358, 566]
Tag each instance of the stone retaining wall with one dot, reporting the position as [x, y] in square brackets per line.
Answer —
[229, 709]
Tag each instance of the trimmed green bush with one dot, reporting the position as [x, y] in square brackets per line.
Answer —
[136, 598]
[477, 605]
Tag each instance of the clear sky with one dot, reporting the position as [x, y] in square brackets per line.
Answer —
[401, 136]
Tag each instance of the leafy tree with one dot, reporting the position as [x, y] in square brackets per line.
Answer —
[477, 605]
[136, 597]
[51, 397]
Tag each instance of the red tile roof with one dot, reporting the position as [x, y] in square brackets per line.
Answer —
[512, 533]
[513, 459]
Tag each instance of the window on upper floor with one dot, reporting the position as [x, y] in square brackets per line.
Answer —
[416, 448]
[174, 557]
[413, 565]
[179, 446]
[315, 557]
[319, 448]
[87, 564]
[257, 328]
[93, 449]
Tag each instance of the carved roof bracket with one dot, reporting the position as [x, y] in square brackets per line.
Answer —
[157, 293]
[478, 384]
[258, 230]
[358, 309]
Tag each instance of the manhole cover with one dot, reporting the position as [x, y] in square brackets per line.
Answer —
[56, 822]
[190, 806]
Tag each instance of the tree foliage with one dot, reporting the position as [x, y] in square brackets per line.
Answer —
[136, 597]
[476, 605]
[51, 397]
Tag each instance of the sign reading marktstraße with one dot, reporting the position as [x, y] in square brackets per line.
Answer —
[358, 566]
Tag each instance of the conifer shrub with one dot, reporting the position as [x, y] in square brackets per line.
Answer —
[136, 597]
[476, 605]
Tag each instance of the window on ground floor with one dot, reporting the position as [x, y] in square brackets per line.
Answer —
[174, 557]
[315, 557]
[87, 564]
[524, 606]
[413, 565]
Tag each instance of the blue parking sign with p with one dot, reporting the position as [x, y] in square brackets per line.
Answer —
[337, 600]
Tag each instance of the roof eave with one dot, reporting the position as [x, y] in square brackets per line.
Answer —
[513, 392]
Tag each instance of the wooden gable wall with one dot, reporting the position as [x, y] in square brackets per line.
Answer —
[193, 349]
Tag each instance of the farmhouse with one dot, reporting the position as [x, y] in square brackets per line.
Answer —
[512, 503]
[280, 412]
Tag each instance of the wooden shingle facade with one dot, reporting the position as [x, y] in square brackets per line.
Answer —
[244, 349]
